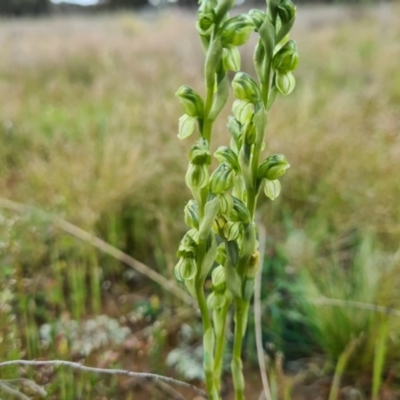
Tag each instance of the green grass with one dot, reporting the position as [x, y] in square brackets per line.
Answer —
[88, 131]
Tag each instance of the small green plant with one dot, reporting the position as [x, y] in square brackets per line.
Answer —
[221, 214]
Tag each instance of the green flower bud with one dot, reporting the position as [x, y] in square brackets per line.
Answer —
[192, 103]
[225, 203]
[286, 11]
[285, 82]
[185, 269]
[187, 246]
[287, 58]
[258, 18]
[243, 111]
[240, 212]
[272, 189]
[225, 154]
[222, 179]
[246, 88]
[192, 214]
[218, 279]
[249, 133]
[186, 126]
[196, 176]
[231, 58]
[273, 167]
[216, 301]
[200, 153]
[232, 230]
[205, 23]
[221, 254]
[236, 31]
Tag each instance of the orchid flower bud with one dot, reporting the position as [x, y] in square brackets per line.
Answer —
[225, 203]
[273, 167]
[222, 179]
[246, 88]
[196, 176]
[192, 214]
[272, 189]
[287, 58]
[258, 18]
[236, 31]
[216, 300]
[186, 126]
[188, 268]
[231, 58]
[218, 279]
[205, 23]
[192, 103]
[240, 212]
[232, 230]
[185, 269]
[285, 82]
[187, 246]
[200, 153]
[225, 154]
[286, 11]
[243, 111]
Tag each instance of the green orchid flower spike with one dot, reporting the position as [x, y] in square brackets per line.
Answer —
[221, 243]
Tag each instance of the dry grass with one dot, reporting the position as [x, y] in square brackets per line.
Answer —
[89, 119]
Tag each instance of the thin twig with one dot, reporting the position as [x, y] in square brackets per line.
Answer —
[103, 246]
[172, 393]
[355, 304]
[13, 392]
[262, 238]
[80, 367]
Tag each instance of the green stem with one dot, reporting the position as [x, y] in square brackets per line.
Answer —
[241, 311]
[208, 331]
[208, 356]
[207, 125]
[266, 83]
[219, 315]
[251, 202]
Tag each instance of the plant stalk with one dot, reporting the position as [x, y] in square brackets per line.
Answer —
[241, 311]
[220, 316]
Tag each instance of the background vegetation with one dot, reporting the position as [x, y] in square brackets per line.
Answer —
[88, 125]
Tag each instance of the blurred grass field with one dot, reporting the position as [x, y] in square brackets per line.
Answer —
[88, 124]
